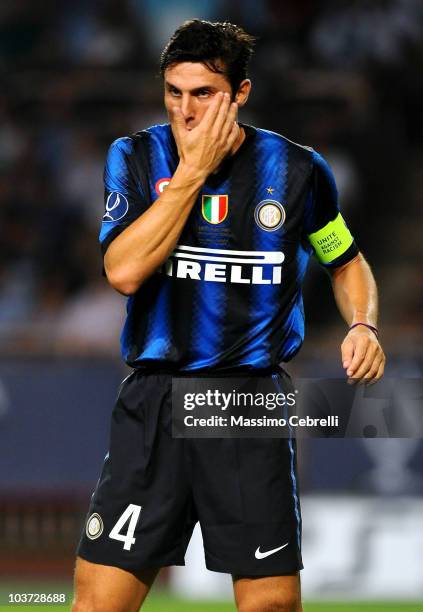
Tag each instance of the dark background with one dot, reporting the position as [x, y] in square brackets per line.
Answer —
[341, 76]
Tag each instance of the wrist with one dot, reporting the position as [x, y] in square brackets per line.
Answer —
[364, 324]
[191, 173]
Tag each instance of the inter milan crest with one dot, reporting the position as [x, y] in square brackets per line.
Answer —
[94, 527]
[215, 208]
[269, 215]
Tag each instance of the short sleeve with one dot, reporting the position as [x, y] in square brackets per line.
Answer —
[124, 200]
[325, 228]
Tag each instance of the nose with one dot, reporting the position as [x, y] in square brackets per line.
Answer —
[187, 107]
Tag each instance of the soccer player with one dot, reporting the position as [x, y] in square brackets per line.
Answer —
[207, 229]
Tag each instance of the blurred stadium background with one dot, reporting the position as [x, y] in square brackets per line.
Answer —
[341, 76]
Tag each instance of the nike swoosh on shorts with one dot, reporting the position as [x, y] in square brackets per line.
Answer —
[263, 555]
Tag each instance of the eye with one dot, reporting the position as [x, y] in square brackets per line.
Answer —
[174, 92]
[203, 93]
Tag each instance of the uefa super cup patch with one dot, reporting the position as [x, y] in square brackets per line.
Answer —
[94, 527]
[269, 215]
[116, 207]
[214, 208]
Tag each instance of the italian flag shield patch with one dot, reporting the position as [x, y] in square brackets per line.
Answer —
[215, 208]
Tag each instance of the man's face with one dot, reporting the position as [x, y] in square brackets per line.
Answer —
[191, 86]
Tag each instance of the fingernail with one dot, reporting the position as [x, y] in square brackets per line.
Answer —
[349, 372]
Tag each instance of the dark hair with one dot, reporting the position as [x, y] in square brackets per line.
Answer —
[206, 42]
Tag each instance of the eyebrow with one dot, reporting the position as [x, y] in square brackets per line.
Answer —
[192, 91]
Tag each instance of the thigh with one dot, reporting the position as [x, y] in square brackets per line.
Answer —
[247, 502]
[268, 593]
[103, 588]
[141, 513]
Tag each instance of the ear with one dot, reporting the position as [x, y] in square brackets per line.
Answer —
[243, 92]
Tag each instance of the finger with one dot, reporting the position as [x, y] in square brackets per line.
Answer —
[178, 121]
[347, 352]
[366, 363]
[374, 368]
[233, 136]
[212, 110]
[222, 115]
[360, 349]
[229, 121]
[378, 374]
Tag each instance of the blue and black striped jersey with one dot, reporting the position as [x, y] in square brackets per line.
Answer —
[229, 296]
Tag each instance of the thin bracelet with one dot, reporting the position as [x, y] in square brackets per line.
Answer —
[374, 329]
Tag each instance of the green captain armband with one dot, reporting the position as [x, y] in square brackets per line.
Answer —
[331, 241]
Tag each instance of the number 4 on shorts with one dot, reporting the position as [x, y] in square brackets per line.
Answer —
[132, 513]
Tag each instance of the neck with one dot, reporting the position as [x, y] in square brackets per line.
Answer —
[238, 142]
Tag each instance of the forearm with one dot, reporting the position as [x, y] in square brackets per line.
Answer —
[143, 246]
[355, 292]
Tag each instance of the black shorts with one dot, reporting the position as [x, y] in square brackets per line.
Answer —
[154, 488]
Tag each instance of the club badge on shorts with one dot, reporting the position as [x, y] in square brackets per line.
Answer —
[214, 208]
[269, 215]
[94, 527]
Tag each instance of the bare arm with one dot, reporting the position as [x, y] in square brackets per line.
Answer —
[143, 246]
[356, 296]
